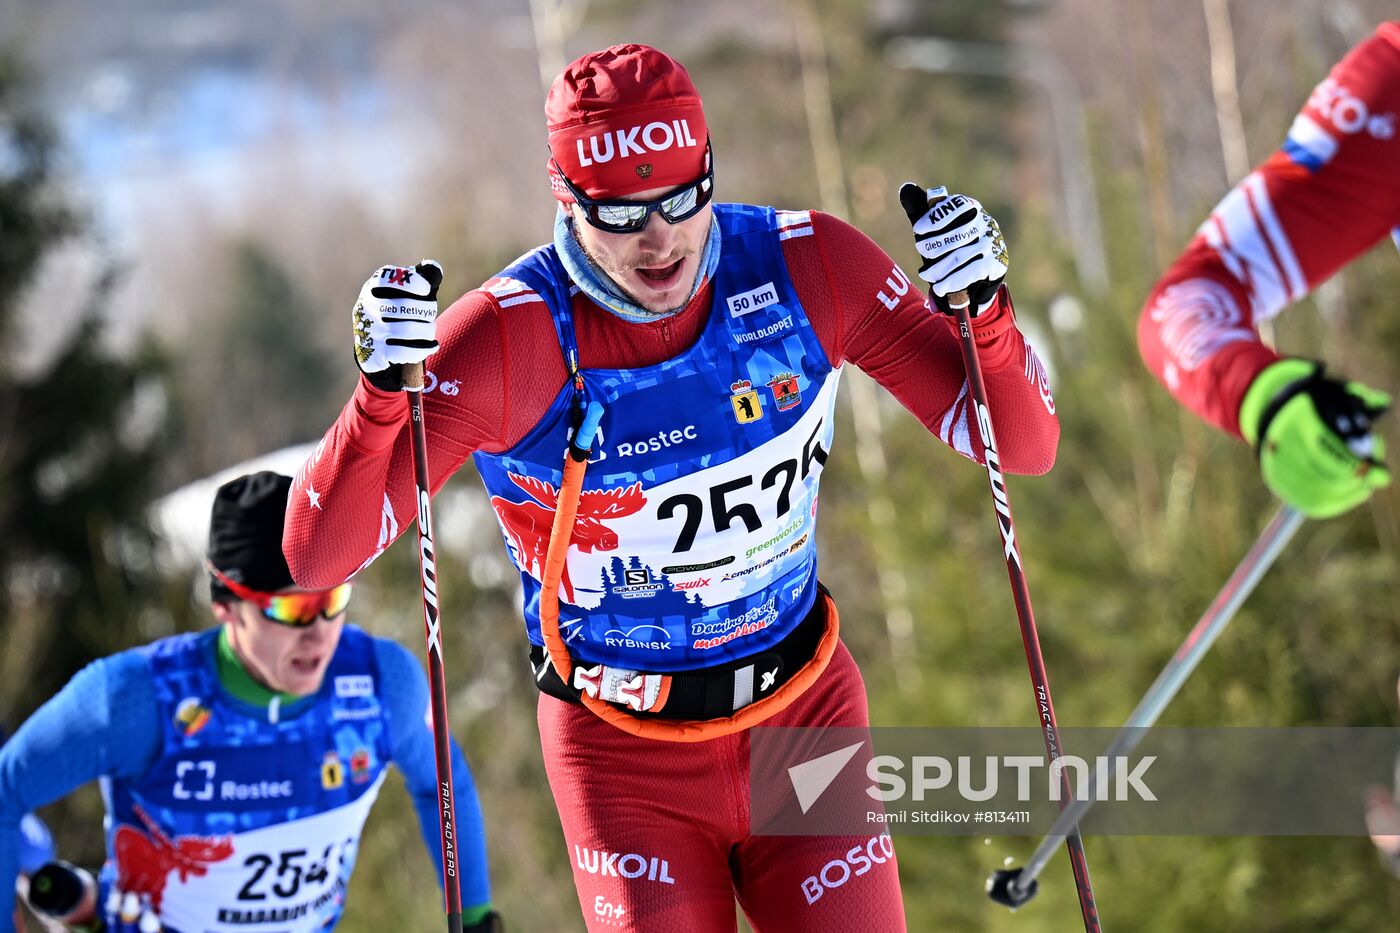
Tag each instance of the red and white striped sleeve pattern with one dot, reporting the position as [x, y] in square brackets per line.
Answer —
[1245, 233]
[1034, 425]
[794, 224]
[510, 292]
[1328, 194]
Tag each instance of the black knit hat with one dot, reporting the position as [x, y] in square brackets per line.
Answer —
[245, 534]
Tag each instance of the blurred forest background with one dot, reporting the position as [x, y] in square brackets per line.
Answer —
[192, 192]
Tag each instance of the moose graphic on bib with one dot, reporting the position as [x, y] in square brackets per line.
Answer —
[145, 862]
[528, 523]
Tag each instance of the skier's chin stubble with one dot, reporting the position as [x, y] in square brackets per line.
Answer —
[618, 273]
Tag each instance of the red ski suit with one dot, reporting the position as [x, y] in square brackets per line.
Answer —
[1329, 194]
[627, 801]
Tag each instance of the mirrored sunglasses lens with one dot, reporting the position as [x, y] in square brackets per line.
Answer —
[621, 216]
[292, 610]
[680, 205]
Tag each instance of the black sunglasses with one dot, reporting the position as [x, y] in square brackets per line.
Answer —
[680, 204]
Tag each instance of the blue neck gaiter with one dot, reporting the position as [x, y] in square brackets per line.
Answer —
[597, 285]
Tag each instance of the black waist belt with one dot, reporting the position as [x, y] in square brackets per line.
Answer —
[719, 691]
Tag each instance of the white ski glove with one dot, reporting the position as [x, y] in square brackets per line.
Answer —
[961, 246]
[394, 321]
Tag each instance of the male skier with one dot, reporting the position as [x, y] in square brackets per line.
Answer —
[238, 764]
[705, 342]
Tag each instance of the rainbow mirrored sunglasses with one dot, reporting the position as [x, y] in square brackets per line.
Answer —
[297, 610]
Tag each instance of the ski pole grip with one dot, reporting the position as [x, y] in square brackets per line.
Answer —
[916, 201]
[413, 377]
[63, 892]
[587, 431]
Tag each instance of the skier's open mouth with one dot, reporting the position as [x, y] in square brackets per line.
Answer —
[662, 277]
[305, 665]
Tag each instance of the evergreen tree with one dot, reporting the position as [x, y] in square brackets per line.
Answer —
[256, 379]
[76, 454]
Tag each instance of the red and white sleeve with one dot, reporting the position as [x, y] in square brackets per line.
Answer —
[1328, 194]
[355, 494]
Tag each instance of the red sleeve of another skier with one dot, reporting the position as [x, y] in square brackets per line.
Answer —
[866, 311]
[355, 494]
[1327, 195]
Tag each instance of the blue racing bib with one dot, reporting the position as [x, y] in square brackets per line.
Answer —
[244, 823]
[694, 542]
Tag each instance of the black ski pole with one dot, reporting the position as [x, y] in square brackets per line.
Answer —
[916, 202]
[437, 679]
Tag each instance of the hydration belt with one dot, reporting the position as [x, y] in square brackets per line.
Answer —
[705, 694]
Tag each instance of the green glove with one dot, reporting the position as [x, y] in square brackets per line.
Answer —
[1313, 437]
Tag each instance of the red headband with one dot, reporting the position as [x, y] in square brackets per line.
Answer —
[624, 120]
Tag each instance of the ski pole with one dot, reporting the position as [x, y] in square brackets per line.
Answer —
[437, 679]
[1014, 886]
[916, 202]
